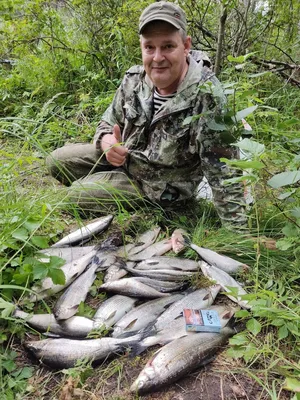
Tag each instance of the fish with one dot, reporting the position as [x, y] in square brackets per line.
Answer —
[220, 261]
[164, 262]
[178, 240]
[198, 299]
[112, 310]
[155, 249]
[142, 242]
[178, 358]
[67, 305]
[76, 327]
[177, 328]
[143, 315]
[85, 232]
[115, 271]
[71, 270]
[226, 281]
[161, 286]
[131, 287]
[145, 240]
[64, 353]
[162, 274]
[68, 254]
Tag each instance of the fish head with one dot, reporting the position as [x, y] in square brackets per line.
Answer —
[144, 380]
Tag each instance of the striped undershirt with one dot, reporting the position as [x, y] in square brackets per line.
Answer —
[159, 99]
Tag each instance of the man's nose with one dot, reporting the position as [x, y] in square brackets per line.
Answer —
[158, 55]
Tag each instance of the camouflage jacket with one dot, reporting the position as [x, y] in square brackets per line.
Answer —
[167, 156]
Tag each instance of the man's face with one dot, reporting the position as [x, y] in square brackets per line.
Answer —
[164, 55]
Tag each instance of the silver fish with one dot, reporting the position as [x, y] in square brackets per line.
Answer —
[161, 286]
[145, 240]
[142, 242]
[131, 287]
[112, 310]
[143, 315]
[177, 328]
[199, 299]
[164, 262]
[178, 358]
[115, 271]
[85, 232]
[226, 281]
[178, 240]
[156, 249]
[71, 271]
[220, 261]
[162, 274]
[77, 327]
[68, 254]
[67, 305]
[64, 353]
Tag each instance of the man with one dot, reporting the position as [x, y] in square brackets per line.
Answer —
[144, 147]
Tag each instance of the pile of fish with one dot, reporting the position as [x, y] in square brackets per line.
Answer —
[147, 292]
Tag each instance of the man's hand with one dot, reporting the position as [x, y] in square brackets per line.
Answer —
[115, 153]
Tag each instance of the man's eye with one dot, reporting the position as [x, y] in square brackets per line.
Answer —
[148, 47]
[169, 46]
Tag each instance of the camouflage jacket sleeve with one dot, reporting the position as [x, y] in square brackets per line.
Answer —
[215, 144]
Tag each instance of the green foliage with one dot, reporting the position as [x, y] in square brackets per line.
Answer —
[67, 59]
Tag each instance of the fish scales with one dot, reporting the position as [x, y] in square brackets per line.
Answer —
[71, 271]
[164, 262]
[77, 327]
[220, 261]
[143, 315]
[178, 358]
[85, 232]
[67, 305]
[64, 353]
[226, 281]
[177, 328]
[131, 287]
[112, 310]
[156, 249]
[201, 298]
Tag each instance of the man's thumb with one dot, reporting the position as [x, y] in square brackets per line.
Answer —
[117, 133]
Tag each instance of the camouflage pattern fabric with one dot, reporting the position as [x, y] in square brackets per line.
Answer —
[168, 157]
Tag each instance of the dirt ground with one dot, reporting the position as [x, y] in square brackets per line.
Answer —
[221, 379]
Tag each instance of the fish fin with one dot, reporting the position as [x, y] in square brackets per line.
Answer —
[136, 349]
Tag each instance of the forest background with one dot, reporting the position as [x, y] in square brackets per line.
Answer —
[60, 64]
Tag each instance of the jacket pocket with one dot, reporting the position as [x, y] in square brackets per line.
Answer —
[170, 149]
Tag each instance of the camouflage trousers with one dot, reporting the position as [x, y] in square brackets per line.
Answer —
[94, 185]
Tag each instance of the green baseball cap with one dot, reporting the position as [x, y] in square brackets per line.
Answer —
[163, 11]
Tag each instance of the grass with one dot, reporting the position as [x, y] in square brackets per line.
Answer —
[34, 212]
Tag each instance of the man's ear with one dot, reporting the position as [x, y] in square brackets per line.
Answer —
[187, 45]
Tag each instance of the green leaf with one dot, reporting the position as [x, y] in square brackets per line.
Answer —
[286, 195]
[40, 241]
[283, 332]
[214, 126]
[244, 164]
[239, 339]
[235, 352]
[290, 230]
[251, 146]
[284, 178]
[292, 384]
[240, 59]
[57, 276]
[39, 270]
[20, 234]
[25, 373]
[242, 314]
[277, 322]
[9, 365]
[283, 244]
[254, 326]
[295, 212]
[244, 113]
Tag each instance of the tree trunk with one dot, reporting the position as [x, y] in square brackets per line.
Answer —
[220, 42]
